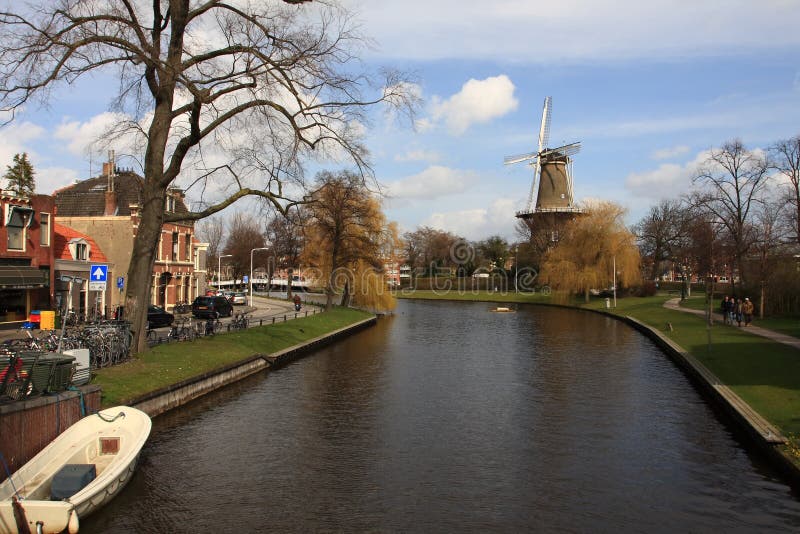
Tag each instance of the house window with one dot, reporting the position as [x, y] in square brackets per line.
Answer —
[81, 251]
[170, 203]
[44, 229]
[175, 246]
[19, 218]
[188, 248]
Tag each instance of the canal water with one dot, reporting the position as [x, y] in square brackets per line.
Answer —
[449, 418]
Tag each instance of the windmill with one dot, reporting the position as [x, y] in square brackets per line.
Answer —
[552, 168]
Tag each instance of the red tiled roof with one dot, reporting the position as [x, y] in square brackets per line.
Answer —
[61, 245]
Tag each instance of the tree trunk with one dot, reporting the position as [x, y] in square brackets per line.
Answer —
[586, 295]
[346, 295]
[761, 300]
[289, 275]
[140, 272]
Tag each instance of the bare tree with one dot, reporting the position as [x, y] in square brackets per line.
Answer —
[244, 234]
[660, 234]
[285, 234]
[785, 157]
[260, 85]
[770, 240]
[731, 179]
[212, 231]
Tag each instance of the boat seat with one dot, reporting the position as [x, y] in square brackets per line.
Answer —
[70, 479]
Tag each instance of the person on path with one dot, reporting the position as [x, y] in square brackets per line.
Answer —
[738, 311]
[747, 311]
[725, 309]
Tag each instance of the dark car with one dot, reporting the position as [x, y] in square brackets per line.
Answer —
[204, 307]
[158, 316]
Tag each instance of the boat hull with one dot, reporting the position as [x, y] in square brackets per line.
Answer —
[110, 440]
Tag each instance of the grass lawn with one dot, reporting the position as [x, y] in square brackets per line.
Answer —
[168, 364]
[789, 325]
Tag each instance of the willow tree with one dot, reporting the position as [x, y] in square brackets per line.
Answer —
[591, 247]
[226, 98]
[344, 238]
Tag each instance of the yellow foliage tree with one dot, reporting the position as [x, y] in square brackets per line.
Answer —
[589, 247]
[345, 239]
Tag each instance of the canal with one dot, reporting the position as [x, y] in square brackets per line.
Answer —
[446, 417]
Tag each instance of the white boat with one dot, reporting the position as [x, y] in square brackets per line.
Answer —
[106, 444]
[502, 309]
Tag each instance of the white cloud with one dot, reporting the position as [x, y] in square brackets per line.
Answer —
[478, 223]
[479, 101]
[429, 156]
[669, 180]
[669, 153]
[15, 139]
[49, 179]
[81, 137]
[435, 181]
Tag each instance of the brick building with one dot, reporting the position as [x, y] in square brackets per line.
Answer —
[26, 256]
[107, 208]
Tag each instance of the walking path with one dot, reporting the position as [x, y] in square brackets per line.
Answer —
[674, 304]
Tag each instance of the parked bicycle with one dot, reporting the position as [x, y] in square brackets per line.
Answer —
[182, 307]
[212, 326]
[181, 331]
[240, 321]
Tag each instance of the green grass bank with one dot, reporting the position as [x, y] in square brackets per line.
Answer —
[168, 364]
[764, 373]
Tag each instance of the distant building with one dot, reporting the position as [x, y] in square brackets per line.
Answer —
[107, 208]
[26, 256]
[74, 254]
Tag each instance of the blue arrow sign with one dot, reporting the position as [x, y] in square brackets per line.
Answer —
[98, 273]
[245, 279]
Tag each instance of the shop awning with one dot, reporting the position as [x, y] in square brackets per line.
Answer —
[21, 277]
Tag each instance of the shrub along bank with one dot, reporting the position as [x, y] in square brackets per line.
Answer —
[168, 364]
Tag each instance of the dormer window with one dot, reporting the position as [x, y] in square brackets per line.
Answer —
[170, 203]
[80, 249]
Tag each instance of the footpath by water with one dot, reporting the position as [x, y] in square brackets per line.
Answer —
[447, 417]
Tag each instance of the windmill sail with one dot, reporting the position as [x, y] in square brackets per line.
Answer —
[552, 169]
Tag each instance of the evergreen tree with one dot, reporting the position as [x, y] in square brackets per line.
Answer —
[20, 175]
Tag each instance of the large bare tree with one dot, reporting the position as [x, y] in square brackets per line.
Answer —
[785, 157]
[238, 92]
[731, 180]
[244, 234]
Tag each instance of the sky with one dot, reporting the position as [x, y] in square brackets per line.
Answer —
[646, 87]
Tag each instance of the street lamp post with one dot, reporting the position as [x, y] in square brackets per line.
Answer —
[219, 269]
[251, 272]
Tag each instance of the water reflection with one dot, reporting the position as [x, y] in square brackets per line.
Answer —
[448, 418]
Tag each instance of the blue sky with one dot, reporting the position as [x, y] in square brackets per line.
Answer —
[647, 87]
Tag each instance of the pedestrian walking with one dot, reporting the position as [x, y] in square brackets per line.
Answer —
[738, 311]
[725, 309]
[747, 311]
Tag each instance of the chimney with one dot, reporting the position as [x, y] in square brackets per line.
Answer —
[111, 203]
[106, 168]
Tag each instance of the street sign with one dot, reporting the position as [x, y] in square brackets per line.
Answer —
[97, 286]
[98, 273]
[120, 282]
[245, 279]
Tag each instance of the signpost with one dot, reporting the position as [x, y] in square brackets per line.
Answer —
[98, 275]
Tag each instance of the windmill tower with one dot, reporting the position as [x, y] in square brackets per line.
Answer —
[552, 169]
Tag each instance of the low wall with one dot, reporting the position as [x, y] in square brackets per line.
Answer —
[26, 427]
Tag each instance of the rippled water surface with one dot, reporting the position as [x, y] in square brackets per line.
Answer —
[449, 418]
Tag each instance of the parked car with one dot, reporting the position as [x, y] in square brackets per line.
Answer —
[204, 307]
[158, 316]
[238, 298]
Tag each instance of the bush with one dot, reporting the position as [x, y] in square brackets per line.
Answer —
[647, 289]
